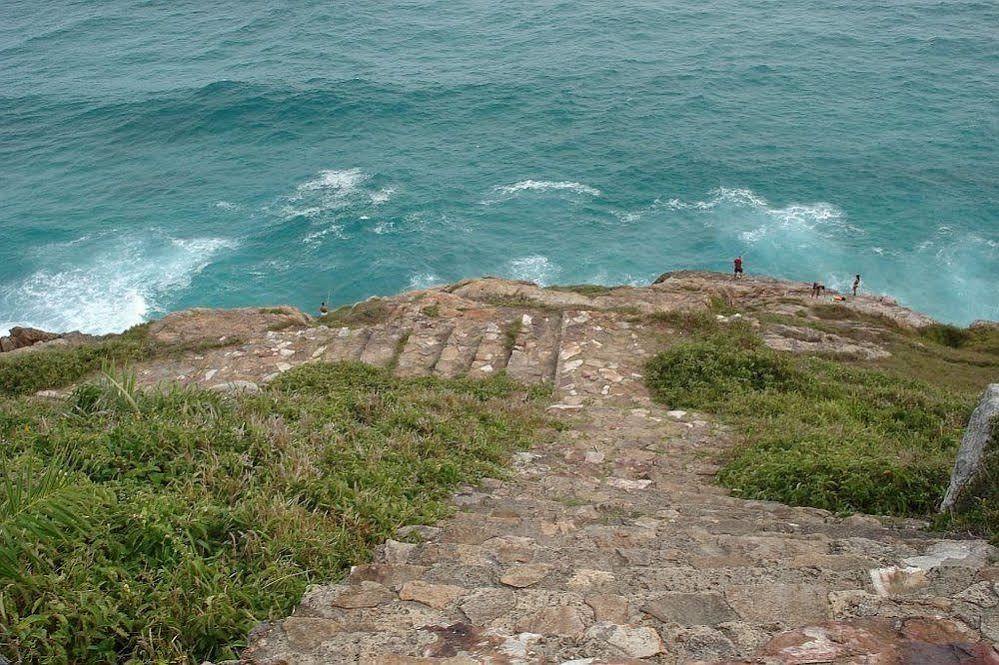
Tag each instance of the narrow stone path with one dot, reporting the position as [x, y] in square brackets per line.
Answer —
[611, 543]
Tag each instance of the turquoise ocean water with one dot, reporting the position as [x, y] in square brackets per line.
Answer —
[159, 155]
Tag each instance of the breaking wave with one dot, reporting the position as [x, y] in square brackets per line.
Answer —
[538, 269]
[504, 192]
[118, 287]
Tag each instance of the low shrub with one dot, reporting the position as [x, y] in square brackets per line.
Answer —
[946, 335]
[202, 515]
[817, 433]
[54, 367]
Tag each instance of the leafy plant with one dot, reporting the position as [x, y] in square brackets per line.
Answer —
[225, 508]
[46, 504]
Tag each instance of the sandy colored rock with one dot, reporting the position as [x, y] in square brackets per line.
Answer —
[525, 575]
[307, 633]
[697, 609]
[562, 620]
[631, 641]
[486, 604]
[438, 596]
[608, 607]
[365, 594]
[794, 604]
[213, 325]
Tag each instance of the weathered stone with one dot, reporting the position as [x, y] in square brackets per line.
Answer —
[563, 620]
[365, 594]
[972, 451]
[307, 633]
[397, 552]
[608, 607]
[896, 580]
[704, 609]
[211, 325]
[422, 531]
[792, 604]
[525, 575]
[438, 596]
[21, 337]
[632, 641]
[386, 574]
[483, 605]
[236, 387]
[585, 578]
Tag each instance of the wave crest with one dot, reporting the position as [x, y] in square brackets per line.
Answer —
[117, 288]
[503, 192]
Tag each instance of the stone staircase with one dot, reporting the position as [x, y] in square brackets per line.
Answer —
[611, 543]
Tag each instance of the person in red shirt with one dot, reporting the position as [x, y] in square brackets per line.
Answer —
[738, 267]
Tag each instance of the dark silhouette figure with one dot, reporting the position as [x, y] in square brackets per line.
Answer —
[856, 284]
[737, 266]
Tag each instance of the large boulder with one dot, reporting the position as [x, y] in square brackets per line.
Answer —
[213, 325]
[971, 455]
[20, 338]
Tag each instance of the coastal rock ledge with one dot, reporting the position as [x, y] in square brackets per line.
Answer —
[610, 542]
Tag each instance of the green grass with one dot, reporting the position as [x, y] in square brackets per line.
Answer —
[510, 334]
[57, 367]
[815, 432]
[591, 290]
[206, 514]
[365, 313]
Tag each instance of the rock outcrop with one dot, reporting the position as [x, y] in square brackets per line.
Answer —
[972, 454]
[200, 325]
[21, 339]
[609, 542]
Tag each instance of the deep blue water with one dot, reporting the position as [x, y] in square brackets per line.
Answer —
[158, 155]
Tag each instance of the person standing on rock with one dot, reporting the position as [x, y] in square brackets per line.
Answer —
[737, 265]
[856, 284]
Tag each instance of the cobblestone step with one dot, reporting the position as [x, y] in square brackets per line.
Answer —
[345, 344]
[383, 345]
[535, 350]
[493, 351]
[458, 353]
[423, 347]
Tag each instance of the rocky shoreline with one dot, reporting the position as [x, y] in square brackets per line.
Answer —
[611, 543]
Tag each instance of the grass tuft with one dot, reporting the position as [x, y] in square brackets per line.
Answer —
[224, 509]
[816, 432]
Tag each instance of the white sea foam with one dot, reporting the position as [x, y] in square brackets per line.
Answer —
[382, 195]
[743, 207]
[315, 237]
[119, 287]
[331, 193]
[227, 205]
[503, 192]
[333, 182]
[538, 269]
[423, 280]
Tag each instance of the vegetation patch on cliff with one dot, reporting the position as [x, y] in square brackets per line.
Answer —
[977, 510]
[817, 432]
[174, 521]
[35, 369]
